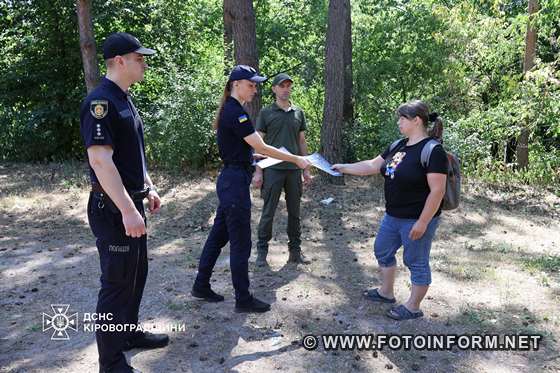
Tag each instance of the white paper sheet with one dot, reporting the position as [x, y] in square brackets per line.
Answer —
[321, 163]
[267, 162]
[316, 160]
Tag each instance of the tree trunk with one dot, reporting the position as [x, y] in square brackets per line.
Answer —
[331, 131]
[228, 38]
[244, 33]
[87, 44]
[348, 106]
[348, 109]
[509, 151]
[528, 63]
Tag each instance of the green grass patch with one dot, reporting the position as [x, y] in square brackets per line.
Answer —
[174, 306]
[477, 318]
[492, 247]
[501, 321]
[545, 263]
[467, 273]
[35, 328]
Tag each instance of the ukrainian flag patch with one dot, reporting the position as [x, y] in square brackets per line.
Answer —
[244, 118]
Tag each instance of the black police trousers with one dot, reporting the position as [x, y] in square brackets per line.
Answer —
[124, 268]
[232, 224]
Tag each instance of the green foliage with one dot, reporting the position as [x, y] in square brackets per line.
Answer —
[498, 100]
[290, 38]
[180, 134]
[40, 80]
[399, 53]
[464, 57]
[181, 93]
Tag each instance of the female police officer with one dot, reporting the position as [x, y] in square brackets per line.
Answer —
[236, 136]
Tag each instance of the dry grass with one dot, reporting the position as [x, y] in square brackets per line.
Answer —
[495, 270]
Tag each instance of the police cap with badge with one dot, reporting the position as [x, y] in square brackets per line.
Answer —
[242, 72]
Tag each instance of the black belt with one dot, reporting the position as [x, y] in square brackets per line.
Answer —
[136, 195]
[239, 165]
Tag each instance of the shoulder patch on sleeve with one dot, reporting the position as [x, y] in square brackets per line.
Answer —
[99, 108]
[243, 118]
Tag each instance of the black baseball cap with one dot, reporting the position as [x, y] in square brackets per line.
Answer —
[282, 77]
[121, 43]
[241, 72]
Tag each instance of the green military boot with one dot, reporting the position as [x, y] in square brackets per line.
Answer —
[297, 257]
[261, 259]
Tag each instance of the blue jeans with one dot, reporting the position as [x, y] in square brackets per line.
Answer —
[393, 233]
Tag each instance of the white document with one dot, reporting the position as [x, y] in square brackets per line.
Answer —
[316, 160]
[321, 163]
[267, 162]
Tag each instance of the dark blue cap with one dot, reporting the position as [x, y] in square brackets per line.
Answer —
[241, 72]
[121, 43]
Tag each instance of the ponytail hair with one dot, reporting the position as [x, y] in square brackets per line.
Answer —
[227, 93]
[436, 131]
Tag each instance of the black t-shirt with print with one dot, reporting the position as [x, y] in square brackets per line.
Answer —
[406, 184]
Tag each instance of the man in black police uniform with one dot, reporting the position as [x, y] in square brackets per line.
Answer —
[114, 137]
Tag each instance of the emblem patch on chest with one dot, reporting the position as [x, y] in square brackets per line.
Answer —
[393, 164]
[99, 108]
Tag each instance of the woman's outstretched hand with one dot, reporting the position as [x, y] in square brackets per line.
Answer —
[340, 167]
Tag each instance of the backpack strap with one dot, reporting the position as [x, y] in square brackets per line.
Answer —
[395, 144]
[427, 152]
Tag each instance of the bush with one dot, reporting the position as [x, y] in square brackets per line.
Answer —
[180, 133]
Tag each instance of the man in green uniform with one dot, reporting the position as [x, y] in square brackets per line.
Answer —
[281, 124]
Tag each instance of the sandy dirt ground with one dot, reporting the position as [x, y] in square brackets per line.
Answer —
[495, 267]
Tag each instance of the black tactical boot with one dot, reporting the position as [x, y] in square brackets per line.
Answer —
[147, 340]
[124, 369]
[206, 293]
[252, 305]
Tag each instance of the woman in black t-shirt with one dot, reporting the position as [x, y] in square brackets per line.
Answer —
[413, 194]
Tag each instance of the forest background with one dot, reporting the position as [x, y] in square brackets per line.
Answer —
[466, 58]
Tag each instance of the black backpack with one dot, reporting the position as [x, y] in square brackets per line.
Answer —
[453, 184]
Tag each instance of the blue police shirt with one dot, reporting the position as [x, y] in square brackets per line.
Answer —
[234, 125]
[108, 117]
